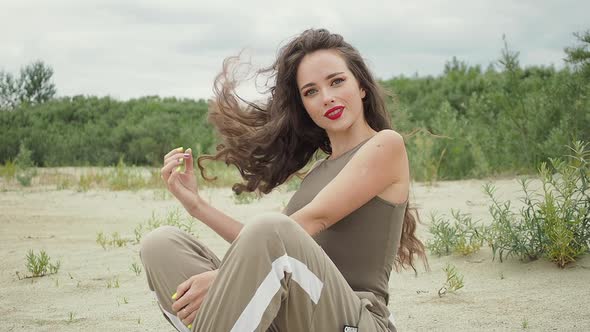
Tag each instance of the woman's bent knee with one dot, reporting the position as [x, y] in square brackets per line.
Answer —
[154, 243]
[269, 225]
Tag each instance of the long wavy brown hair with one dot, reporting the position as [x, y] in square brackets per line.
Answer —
[269, 142]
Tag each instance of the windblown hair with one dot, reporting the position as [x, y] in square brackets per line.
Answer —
[269, 142]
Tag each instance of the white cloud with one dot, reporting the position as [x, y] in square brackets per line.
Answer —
[175, 48]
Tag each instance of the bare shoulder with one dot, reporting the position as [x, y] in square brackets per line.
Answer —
[386, 153]
[386, 144]
[389, 137]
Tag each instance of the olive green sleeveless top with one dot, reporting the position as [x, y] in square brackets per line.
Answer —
[363, 245]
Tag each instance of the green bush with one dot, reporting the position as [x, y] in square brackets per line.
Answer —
[24, 159]
[463, 236]
[8, 170]
[554, 223]
[25, 170]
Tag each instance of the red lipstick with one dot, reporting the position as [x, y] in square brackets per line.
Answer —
[334, 112]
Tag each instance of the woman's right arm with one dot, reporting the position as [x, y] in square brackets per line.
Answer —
[183, 185]
[224, 225]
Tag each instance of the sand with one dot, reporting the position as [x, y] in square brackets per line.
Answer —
[511, 295]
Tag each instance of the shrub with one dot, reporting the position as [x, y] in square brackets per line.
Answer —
[25, 170]
[554, 223]
[8, 171]
[24, 159]
[463, 236]
[40, 265]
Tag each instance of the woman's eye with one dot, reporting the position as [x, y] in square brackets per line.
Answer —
[314, 91]
[337, 81]
[309, 92]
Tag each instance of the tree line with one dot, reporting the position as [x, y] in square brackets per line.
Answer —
[466, 122]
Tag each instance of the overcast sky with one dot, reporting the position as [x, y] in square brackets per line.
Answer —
[131, 48]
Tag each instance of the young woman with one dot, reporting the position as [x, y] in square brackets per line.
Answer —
[324, 263]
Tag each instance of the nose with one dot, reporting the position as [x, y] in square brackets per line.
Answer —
[328, 99]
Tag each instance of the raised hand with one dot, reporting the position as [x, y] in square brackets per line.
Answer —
[182, 184]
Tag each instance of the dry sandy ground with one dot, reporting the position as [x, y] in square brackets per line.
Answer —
[496, 296]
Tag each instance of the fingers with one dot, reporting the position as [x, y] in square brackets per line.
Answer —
[190, 318]
[188, 161]
[183, 287]
[175, 158]
[177, 150]
[166, 171]
[181, 300]
[186, 156]
[189, 308]
[193, 305]
[184, 313]
[172, 157]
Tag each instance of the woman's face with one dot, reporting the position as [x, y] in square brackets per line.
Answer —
[330, 93]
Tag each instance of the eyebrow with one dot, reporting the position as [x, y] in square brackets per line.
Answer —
[327, 78]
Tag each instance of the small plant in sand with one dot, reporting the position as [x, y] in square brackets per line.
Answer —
[454, 280]
[118, 241]
[40, 265]
[525, 324]
[113, 283]
[71, 316]
[102, 240]
[123, 300]
[554, 223]
[172, 218]
[138, 232]
[136, 268]
[462, 236]
[115, 241]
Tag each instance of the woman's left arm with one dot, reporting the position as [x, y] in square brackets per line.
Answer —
[379, 163]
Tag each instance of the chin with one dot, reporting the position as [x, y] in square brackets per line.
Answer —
[337, 128]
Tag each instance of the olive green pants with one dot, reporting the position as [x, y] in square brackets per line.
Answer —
[274, 277]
